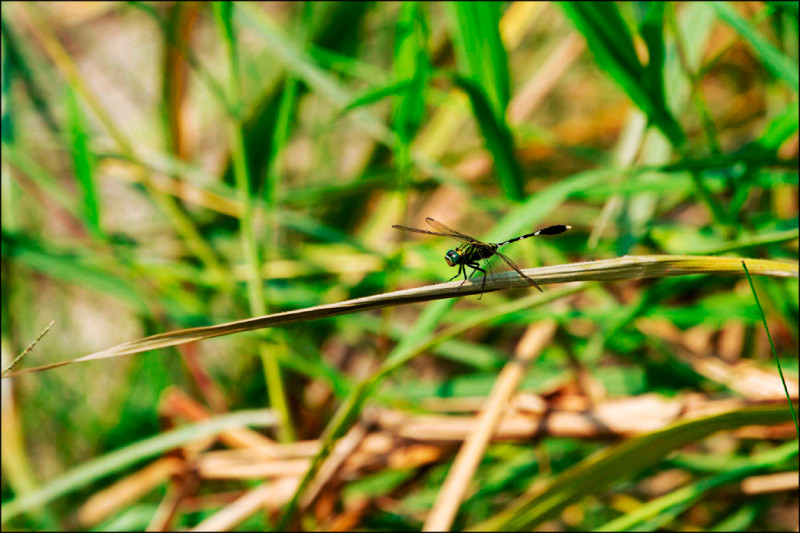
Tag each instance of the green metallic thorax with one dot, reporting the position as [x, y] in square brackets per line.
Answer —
[469, 253]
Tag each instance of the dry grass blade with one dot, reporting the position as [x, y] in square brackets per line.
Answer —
[458, 479]
[27, 350]
[627, 267]
[269, 494]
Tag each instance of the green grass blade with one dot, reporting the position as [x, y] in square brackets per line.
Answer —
[497, 136]
[772, 345]
[621, 462]
[80, 270]
[244, 182]
[300, 63]
[781, 66]
[661, 510]
[22, 160]
[483, 75]
[118, 460]
[651, 28]
[411, 68]
[376, 93]
[611, 42]
[61, 59]
[15, 67]
[480, 52]
[83, 163]
[780, 129]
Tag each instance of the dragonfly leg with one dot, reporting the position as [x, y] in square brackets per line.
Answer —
[476, 268]
[460, 269]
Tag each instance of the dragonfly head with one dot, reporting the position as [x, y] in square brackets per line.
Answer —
[453, 257]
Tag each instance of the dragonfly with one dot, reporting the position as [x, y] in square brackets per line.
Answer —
[471, 250]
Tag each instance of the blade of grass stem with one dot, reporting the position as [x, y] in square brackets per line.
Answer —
[616, 463]
[773, 59]
[183, 224]
[628, 267]
[83, 163]
[18, 358]
[659, 511]
[772, 345]
[480, 53]
[611, 43]
[256, 299]
[775, 237]
[412, 68]
[115, 461]
[497, 136]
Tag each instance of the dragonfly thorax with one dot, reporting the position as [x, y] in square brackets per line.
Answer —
[469, 253]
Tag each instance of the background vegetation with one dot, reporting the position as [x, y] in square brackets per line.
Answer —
[175, 165]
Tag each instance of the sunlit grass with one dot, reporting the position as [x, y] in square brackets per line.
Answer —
[174, 173]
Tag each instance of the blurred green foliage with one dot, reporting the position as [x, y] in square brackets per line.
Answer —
[173, 165]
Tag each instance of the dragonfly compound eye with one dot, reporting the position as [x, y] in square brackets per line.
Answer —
[452, 257]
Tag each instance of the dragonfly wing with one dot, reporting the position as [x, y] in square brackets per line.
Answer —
[513, 265]
[450, 231]
[416, 230]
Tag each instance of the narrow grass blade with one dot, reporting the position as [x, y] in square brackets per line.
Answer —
[115, 461]
[773, 59]
[18, 358]
[377, 93]
[772, 345]
[628, 267]
[83, 163]
[780, 129]
[611, 42]
[245, 182]
[479, 49]
[45, 181]
[483, 75]
[660, 511]
[411, 67]
[497, 136]
[621, 462]
[651, 27]
[76, 269]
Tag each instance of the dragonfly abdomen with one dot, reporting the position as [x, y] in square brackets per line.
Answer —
[551, 230]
